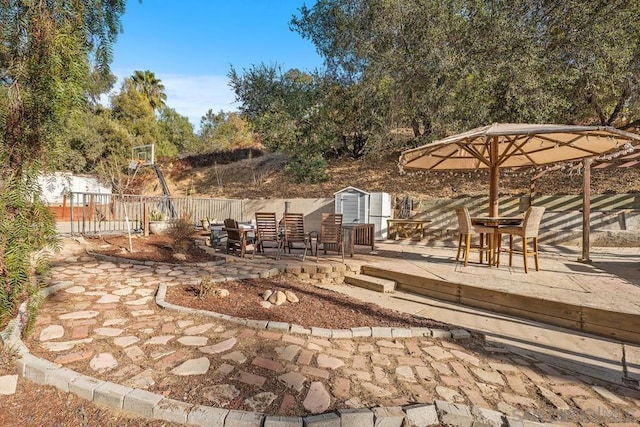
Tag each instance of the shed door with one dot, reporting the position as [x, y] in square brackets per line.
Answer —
[350, 208]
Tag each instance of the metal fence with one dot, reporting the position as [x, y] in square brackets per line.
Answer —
[97, 213]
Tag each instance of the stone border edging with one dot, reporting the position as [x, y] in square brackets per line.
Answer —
[154, 406]
[113, 258]
[357, 332]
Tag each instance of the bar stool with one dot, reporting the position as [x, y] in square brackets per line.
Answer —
[529, 229]
[466, 230]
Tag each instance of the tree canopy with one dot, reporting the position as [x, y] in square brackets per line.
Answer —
[151, 87]
[460, 64]
[48, 51]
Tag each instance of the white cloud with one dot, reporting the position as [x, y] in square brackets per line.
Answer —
[193, 96]
[190, 96]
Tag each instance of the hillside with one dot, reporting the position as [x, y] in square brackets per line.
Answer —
[263, 177]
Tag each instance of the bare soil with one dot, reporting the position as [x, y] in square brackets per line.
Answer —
[264, 177]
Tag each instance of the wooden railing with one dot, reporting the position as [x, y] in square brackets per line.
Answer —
[97, 213]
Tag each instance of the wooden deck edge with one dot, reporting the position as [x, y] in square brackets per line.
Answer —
[605, 323]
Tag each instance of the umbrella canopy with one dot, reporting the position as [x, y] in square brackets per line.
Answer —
[515, 145]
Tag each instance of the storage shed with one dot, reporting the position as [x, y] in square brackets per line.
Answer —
[353, 204]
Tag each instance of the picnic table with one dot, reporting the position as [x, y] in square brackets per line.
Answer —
[413, 228]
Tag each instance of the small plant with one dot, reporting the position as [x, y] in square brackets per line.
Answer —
[155, 215]
[181, 235]
[205, 287]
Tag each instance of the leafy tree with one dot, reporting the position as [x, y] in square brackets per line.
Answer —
[283, 109]
[272, 101]
[597, 44]
[453, 65]
[151, 87]
[132, 110]
[224, 131]
[93, 138]
[258, 89]
[176, 129]
[45, 52]
[99, 84]
[353, 114]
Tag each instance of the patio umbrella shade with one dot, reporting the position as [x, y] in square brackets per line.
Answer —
[516, 145]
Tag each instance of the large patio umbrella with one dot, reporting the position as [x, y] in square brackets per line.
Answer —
[516, 145]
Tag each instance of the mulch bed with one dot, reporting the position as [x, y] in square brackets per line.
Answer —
[155, 247]
[317, 307]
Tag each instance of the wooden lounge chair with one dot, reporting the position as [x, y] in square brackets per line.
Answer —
[267, 232]
[236, 237]
[295, 233]
[529, 229]
[466, 230]
[330, 236]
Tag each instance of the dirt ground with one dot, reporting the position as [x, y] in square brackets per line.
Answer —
[316, 307]
[263, 177]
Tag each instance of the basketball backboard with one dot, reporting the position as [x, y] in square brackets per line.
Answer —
[142, 155]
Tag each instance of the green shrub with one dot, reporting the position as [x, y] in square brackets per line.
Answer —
[311, 168]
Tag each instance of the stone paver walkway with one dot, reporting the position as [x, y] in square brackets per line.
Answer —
[105, 323]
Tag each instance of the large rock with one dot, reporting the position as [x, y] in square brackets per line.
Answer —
[291, 297]
[221, 293]
[281, 298]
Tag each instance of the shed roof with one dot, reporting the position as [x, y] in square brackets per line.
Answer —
[350, 188]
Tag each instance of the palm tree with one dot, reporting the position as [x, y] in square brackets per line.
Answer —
[146, 83]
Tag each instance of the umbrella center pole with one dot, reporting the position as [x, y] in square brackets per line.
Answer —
[494, 186]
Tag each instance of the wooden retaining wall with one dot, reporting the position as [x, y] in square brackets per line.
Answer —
[605, 323]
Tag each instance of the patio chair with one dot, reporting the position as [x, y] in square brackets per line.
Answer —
[267, 232]
[529, 229]
[466, 230]
[330, 236]
[236, 237]
[295, 233]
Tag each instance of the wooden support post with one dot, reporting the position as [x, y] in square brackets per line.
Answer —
[586, 210]
[145, 219]
[64, 207]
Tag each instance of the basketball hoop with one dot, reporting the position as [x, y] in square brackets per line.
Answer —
[142, 155]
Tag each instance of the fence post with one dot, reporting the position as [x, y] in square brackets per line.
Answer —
[84, 212]
[145, 219]
[71, 207]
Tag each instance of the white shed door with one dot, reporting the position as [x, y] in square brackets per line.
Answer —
[350, 208]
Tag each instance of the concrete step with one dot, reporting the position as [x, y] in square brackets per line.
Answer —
[370, 282]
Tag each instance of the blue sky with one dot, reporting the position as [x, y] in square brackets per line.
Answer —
[191, 45]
